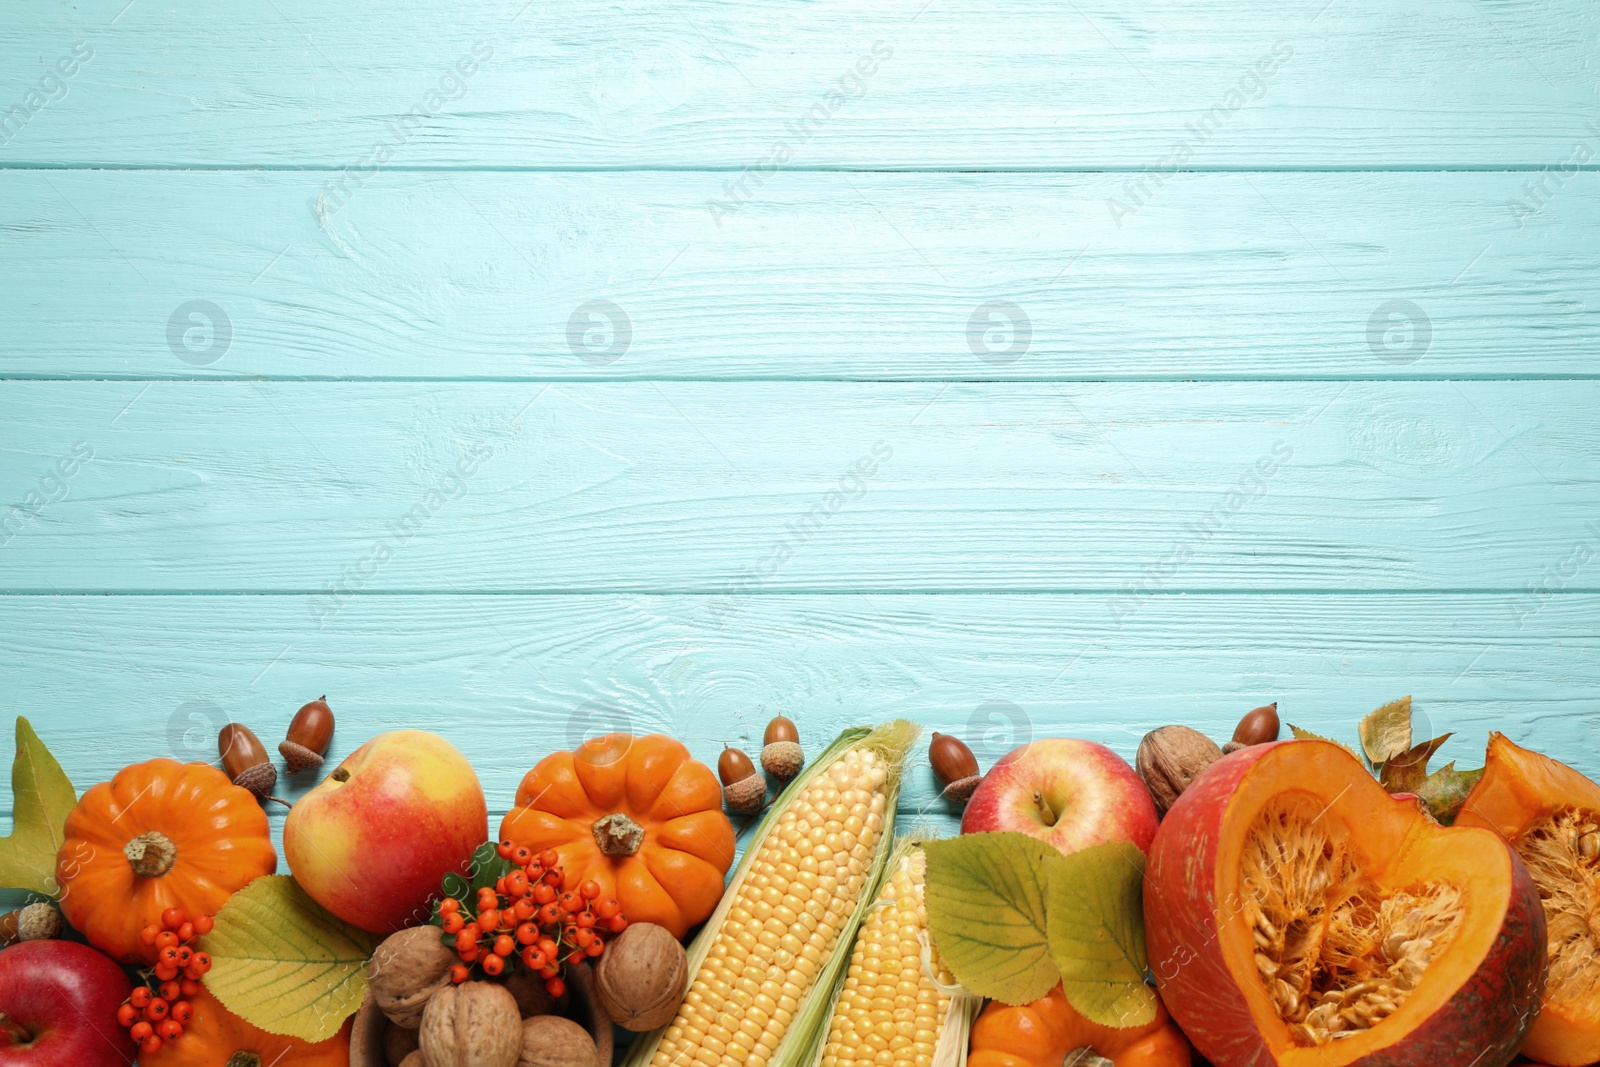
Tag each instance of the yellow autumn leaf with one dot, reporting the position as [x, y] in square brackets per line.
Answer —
[1096, 925]
[1386, 733]
[41, 797]
[281, 962]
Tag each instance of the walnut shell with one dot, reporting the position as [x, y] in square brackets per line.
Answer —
[406, 971]
[415, 1059]
[398, 1043]
[1172, 757]
[641, 977]
[551, 1041]
[474, 1024]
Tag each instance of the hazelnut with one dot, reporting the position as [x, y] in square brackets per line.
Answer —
[781, 755]
[398, 1043]
[1172, 757]
[954, 766]
[38, 922]
[309, 733]
[551, 1041]
[640, 979]
[407, 969]
[474, 1024]
[743, 790]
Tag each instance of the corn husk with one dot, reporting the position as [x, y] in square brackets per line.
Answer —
[892, 741]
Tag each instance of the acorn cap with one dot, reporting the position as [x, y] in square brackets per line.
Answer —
[298, 757]
[960, 790]
[259, 779]
[745, 796]
[782, 759]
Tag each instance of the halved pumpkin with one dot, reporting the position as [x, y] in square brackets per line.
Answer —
[1551, 815]
[1298, 915]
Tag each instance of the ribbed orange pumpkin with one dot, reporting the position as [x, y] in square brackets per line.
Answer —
[1042, 1033]
[637, 815]
[159, 835]
[215, 1037]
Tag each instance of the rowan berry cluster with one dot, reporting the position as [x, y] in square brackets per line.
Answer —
[157, 1014]
[532, 915]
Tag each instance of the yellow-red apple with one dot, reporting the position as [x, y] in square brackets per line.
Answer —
[1070, 793]
[372, 841]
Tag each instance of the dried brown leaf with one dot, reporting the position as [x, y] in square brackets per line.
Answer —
[1386, 732]
[1406, 772]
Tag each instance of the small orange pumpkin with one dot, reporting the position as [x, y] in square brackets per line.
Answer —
[637, 815]
[159, 835]
[215, 1037]
[1042, 1033]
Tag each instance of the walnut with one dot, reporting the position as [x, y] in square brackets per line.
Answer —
[406, 971]
[531, 995]
[551, 1041]
[639, 981]
[474, 1024]
[415, 1059]
[38, 922]
[1172, 757]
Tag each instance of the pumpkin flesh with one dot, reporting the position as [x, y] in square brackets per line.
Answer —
[1299, 915]
[673, 873]
[1551, 816]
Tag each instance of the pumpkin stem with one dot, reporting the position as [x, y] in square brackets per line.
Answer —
[151, 854]
[14, 1033]
[244, 1059]
[617, 835]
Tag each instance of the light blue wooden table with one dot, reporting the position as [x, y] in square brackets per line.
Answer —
[522, 370]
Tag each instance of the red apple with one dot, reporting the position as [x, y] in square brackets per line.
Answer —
[1070, 793]
[58, 1006]
[371, 842]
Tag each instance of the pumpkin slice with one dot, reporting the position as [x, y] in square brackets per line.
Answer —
[1298, 915]
[1551, 815]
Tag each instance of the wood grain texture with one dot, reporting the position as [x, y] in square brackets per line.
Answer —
[510, 678]
[695, 83]
[866, 276]
[738, 488]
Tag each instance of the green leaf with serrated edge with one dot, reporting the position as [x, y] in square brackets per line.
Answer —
[1386, 732]
[1446, 789]
[1406, 772]
[41, 797]
[1096, 926]
[1307, 735]
[280, 961]
[986, 913]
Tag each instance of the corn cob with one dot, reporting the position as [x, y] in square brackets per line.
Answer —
[763, 969]
[895, 1007]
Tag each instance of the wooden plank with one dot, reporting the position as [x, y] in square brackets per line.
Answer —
[695, 83]
[509, 678]
[866, 276]
[731, 488]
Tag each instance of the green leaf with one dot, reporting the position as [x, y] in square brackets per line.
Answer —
[1096, 925]
[283, 963]
[1386, 732]
[1406, 772]
[1307, 735]
[1446, 789]
[41, 797]
[986, 913]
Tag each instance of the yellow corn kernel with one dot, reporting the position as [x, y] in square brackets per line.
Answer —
[797, 896]
[888, 1006]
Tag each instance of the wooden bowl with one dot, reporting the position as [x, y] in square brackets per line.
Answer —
[580, 1005]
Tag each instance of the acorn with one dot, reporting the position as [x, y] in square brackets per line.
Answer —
[780, 750]
[1256, 728]
[743, 790]
[309, 734]
[245, 761]
[955, 767]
